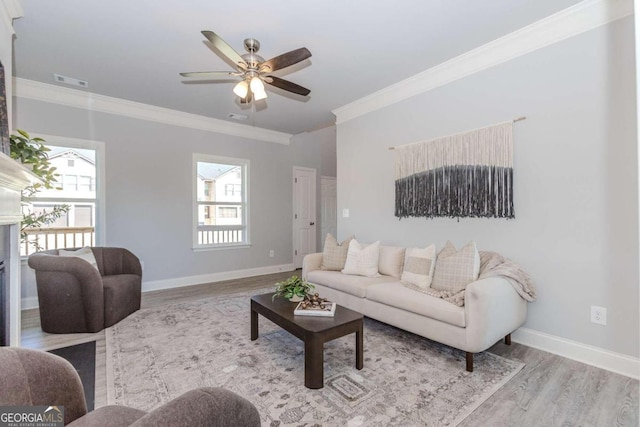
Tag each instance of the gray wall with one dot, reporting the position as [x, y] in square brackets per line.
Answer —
[149, 187]
[575, 169]
[316, 150]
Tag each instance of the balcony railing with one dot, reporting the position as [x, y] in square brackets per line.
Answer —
[57, 238]
[215, 237]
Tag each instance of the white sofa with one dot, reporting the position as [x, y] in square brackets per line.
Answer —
[493, 309]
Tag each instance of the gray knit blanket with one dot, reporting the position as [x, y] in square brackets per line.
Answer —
[492, 264]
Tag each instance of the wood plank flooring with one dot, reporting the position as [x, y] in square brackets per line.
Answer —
[549, 391]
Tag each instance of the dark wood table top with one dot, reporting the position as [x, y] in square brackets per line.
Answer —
[283, 308]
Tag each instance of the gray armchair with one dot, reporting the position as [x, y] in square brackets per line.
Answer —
[76, 297]
[36, 378]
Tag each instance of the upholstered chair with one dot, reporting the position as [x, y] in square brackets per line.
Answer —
[76, 295]
[36, 378]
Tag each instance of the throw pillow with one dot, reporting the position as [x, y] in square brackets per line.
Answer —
[456, 269]
[362, 260]
[84, 253]
[418, 266]
[391, 260]
[334, 254]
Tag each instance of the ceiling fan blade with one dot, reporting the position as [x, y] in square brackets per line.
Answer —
[210, 74]
[285, 60]
[224, 48]
[287, 85]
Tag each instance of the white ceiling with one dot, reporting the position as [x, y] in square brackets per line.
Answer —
[134, 49]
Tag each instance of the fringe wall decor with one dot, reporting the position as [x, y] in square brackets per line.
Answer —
[463, 175]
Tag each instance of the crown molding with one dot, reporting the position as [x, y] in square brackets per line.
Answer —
[10, 10]
[38, 91]
[577, 19]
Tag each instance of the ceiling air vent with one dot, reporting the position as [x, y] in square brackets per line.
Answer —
[235, 116]
[70, 81]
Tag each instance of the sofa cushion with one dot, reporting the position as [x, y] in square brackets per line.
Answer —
[418, 266]
[391, 260]
[334, 254]
[362, 259]
[456, 269]
[354, 285]
[396, 295]
[83, 253]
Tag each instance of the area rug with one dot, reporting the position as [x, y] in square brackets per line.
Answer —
[157, 354]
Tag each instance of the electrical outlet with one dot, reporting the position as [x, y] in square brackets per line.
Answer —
[598, 315]
[345, 213]
[271, 253]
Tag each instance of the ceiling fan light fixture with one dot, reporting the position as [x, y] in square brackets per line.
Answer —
[256, 85]
[259, 95]
[241, 89]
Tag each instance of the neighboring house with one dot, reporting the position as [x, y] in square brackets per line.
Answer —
[77, 182]
[220, 184]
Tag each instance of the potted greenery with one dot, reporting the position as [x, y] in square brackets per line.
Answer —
[294, 288]
[32, 153]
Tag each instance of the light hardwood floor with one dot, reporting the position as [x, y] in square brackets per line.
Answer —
[549, 391]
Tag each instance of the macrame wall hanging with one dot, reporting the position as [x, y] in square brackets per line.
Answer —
[464, 175]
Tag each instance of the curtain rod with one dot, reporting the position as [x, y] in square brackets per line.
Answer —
[517, 119]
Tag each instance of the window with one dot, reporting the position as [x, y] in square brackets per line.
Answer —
[220, 201]
[77, 164]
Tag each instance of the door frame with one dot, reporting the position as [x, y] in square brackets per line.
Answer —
[293, 213]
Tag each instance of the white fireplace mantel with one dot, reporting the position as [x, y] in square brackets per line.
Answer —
[13, 179]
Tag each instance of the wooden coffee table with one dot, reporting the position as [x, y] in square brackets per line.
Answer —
[313, 330]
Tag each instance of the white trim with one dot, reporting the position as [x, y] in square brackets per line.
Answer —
[44, 92]
[29, 303]
[594, 356]
[245, 202]
[99, 147]
[582, 17]
[179, 282]
[10, 10]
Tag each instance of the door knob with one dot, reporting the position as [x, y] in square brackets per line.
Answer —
[312, 223]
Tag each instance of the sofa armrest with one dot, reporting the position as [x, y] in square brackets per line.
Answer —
[311, 262]
[493, 309]
[215, 407]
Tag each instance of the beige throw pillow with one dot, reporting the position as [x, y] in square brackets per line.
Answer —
[418, 266]
[391, 260]
[362, 260]
[334, 254]
[456, 269]
[84, 253]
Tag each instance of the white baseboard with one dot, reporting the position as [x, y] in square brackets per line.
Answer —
[29, 303]
[156, 285]
[590, 355]
[178, 282]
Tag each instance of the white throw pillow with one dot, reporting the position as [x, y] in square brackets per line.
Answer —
[84, 253]
[456, 269]
[418, 266]
[391, 260]
[362, 260]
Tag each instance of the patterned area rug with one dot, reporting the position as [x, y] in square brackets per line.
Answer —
[158, 353]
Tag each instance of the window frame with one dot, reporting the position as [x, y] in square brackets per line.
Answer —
[99, 183]
[244, 203]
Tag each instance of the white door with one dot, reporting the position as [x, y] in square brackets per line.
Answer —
[304, 213]
[328, 207]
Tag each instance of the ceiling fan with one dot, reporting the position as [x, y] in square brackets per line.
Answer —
[252, 69]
